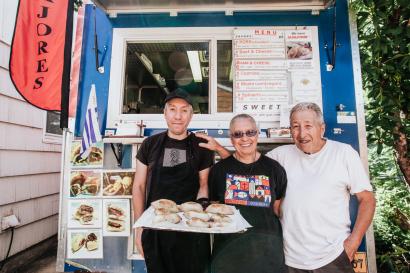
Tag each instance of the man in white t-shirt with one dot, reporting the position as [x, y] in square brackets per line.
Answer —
[322, 174]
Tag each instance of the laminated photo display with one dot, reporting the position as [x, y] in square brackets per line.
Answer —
[84, 244]
[85, 183]
[116, 217]
[118, 183]
[95, 158]
[84, 213]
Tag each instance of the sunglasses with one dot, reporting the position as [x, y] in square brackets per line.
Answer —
[248, 133]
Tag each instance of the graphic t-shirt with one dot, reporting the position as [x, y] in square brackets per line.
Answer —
[248, 190]
[252, 189]
[173, 167]
[175, 152]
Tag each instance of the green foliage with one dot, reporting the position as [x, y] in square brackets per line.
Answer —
[392, 219]
[384, 40]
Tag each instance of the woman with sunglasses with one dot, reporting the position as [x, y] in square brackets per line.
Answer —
[255, 185]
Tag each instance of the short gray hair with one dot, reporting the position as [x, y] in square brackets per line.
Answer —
[305, 106]
[242, 116]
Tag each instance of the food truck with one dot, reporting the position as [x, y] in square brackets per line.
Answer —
[254, 57]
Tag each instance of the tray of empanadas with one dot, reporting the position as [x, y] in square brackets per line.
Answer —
[191, 217]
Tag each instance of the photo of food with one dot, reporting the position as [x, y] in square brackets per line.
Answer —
[116, 217]
[118, 183]
[84, 244]
[93, 160]
[84, 213]
[299, 50]
[85, 183]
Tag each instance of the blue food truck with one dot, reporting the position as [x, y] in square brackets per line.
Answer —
[254, 57]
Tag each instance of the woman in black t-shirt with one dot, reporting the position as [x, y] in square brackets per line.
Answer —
[254, 184]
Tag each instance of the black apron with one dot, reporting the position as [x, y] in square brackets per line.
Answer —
[169, 251]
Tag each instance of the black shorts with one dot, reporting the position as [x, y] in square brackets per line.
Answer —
[340, 265]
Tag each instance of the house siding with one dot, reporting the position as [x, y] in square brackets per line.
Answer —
[29, 168]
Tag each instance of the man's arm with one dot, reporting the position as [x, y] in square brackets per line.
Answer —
[138, 199]
[203, 184]
[367, 205]
[213, 145]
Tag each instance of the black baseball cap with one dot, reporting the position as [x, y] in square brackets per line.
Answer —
[178, 93]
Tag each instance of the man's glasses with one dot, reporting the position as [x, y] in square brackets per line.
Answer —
[248, 133]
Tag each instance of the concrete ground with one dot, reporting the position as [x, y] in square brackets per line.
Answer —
[45, 264]
[40, 258]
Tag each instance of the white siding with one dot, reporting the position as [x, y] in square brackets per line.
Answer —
[14, 137]
[29, 168]
[27, 162]
[4, 58]
[29, 235]
[33, 210]
[20, 112]
[8, 11]
[6, 85]
[21, 188]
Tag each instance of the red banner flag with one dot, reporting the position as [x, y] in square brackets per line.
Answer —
[40, 57]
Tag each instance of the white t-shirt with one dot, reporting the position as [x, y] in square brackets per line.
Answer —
[315, 209]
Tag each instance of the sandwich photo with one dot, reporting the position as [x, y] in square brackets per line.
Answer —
[95, 155]
[84, 213]
[117, 183]
[116, 217]
[85, 183]
[84, 244]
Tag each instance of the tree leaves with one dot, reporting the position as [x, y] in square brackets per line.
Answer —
[392, 212]
[384, 41]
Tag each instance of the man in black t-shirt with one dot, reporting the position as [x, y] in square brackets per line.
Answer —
[171, 165]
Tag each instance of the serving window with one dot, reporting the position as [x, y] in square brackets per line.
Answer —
[153, 69]
[147, 64]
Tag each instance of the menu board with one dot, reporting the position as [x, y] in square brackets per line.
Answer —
[275, 67]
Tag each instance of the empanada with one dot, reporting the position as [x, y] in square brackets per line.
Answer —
[169, 205]
[191, 206]
[220, 209]
[195, 222]
[194, 214]
[221, 218]
[171, 218]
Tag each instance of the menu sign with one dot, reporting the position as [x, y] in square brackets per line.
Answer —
[274, 67]
[259, 64]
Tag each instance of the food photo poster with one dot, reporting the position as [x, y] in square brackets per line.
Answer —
[116, 217]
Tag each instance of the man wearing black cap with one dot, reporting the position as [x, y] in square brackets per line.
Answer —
[171, 165]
